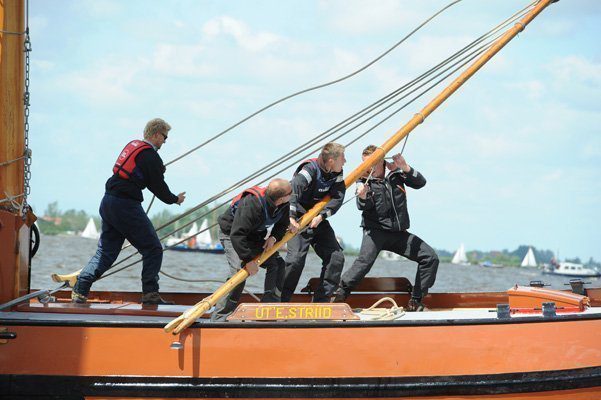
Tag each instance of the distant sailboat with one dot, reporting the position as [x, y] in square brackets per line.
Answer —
[201, 242]
[529, 260]
[203, 239]
[90, 232]
[191, 235]
[460, 257]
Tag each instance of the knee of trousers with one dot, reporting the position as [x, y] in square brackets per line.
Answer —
[294, 263]
[337, 260]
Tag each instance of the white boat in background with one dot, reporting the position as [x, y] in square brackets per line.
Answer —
[203, 239]
[529, 259]
[90, 231]
[460, 258]
[571, 269]
[201, 242]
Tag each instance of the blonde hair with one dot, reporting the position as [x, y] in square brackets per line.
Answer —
[331, 151]
[154, 126]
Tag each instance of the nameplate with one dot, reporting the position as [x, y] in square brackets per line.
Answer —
[292, 312]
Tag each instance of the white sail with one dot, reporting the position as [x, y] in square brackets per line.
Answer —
[191, 233]
[90, 231]
[460, 257]
[529, 260]
[204, 239]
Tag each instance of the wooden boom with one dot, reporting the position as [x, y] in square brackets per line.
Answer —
[191, 315]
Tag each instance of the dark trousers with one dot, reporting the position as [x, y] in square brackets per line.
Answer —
[123, 219]
[327, 248]
[403, 243]
[274, 277]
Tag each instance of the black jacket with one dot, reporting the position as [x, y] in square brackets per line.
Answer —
[148, 174]
[301, 185]
[246, 228]
[385, 206]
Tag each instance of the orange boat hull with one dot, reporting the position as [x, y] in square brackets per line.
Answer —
[436, 359]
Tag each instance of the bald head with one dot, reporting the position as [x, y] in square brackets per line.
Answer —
[279, 190]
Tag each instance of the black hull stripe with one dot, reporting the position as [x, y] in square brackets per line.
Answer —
[73, 387]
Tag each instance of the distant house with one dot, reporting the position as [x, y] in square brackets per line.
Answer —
[54, 220]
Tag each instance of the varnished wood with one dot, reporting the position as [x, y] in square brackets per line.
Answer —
[14, 254]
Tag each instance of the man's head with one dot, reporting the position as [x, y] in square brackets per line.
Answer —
[379, 168]
[156, 131]
[279, 191]
[332, 157]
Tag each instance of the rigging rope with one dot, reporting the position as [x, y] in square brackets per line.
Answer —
[350, 119]
[463, 61]
[378, 58]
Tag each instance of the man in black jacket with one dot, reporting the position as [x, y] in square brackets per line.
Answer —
[315, 179]
[243, 233]
[385, 221]
[138, 166]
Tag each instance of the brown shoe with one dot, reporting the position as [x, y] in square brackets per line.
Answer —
[416, 305]
[78, 298]
[154, 298]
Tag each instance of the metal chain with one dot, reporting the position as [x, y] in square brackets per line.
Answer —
[26, 98]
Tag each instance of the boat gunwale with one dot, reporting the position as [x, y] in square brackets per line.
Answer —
[145, 321]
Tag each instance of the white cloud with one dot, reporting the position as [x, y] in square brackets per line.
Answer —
[181, 60]
[533, 89]
[108, 83]
[100, 8]
[241, 33]
[576, 69]
[43, 65]
[553, 176]
[359, 16]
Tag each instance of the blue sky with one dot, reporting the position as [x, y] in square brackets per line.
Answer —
[514, 157]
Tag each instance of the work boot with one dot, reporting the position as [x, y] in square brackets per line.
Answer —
[154, 298]
[78, 298]
[340, 295]
[416, 305]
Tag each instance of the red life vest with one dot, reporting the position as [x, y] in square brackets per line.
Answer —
[258, 192]
[126, 162]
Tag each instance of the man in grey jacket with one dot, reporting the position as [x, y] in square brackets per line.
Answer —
[385, 220]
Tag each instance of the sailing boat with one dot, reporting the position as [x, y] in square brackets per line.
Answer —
[529, 259]
[460, 258]
[196, 242]
[509, 345]
[90, 231]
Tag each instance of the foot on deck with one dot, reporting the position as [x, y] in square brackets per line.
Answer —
[416, 305]
[78, 298]
[154, 298]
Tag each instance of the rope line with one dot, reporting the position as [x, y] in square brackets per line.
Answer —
[310, 89]
[454, 67]
[346, 122]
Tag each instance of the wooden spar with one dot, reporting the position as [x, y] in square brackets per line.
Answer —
[188, 317]
[14, 234]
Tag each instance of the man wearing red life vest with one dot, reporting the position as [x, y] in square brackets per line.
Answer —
[138, 166]
[313, 180]
[243, 233]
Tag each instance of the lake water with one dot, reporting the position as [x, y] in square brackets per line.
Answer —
[64, 254]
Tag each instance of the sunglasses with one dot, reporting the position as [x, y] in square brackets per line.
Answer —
[164, 136]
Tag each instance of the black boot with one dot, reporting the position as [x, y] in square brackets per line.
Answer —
[416, 305]
[154, 298]
[340, 295]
